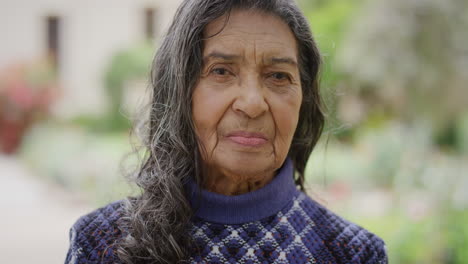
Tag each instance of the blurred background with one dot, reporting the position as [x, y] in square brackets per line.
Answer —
[393, 157]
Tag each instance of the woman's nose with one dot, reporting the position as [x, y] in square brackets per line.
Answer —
[250, 99]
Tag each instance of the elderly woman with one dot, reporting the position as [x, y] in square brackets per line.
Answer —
[235, 114]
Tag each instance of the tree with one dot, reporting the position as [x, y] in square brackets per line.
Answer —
[410, 59]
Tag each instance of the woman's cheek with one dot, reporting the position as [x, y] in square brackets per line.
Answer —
[209, 105]
[285, 111]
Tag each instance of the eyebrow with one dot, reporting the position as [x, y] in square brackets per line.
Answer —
[220, 55]
[282, 60]
[232, 57]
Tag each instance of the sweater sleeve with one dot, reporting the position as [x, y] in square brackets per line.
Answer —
[367, 248]
[383, 255]
[345, 241]
[74, 251]
[93, 236]
[373, 250]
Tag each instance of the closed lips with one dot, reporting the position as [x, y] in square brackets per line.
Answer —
[247, 138]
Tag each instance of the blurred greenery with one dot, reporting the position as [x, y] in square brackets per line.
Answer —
[394, 78]
[126, 66]
[407, 60]
[328, 20]
[461, 133]
[80, 160]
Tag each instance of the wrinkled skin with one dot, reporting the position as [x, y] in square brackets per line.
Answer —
[247, 100]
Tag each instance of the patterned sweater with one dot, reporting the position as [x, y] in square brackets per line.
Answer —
[275, 224]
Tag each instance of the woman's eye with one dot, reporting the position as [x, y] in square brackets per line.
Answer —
[280, 76]
[220, 71]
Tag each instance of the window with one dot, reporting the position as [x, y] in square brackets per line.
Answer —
[150, 23]
[53, 43]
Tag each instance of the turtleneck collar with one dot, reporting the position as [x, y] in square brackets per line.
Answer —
[248, 207]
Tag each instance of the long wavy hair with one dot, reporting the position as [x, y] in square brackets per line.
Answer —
[157, 222]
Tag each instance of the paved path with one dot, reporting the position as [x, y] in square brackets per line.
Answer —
[35, 216]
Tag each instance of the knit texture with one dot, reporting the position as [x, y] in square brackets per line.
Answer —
[276, 224]
[92, 237]
[303, 232]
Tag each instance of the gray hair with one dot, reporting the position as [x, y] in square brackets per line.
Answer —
[157, 222]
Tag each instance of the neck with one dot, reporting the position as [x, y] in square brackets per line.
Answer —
[231, 184]
[250, 206]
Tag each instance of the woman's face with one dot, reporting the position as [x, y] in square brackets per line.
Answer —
[246, 102]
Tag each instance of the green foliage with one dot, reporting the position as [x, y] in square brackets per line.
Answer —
[416, 242]
[124, 67]
[329, 21]
[92, 123]
[400, 63]
[439, 238]
[102, 124]
[407, 241]
[446, 137]
[457, 227]
[405, 57]
[80, 160]
[461, 133]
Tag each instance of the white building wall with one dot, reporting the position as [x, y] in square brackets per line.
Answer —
[91, 33]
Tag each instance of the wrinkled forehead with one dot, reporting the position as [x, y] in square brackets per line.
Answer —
[242, 31]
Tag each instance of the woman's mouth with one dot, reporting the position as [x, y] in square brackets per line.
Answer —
[248, 139]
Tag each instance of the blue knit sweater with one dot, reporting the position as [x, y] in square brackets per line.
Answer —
[275, 224]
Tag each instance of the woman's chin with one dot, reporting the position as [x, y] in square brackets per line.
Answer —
[249, 166]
